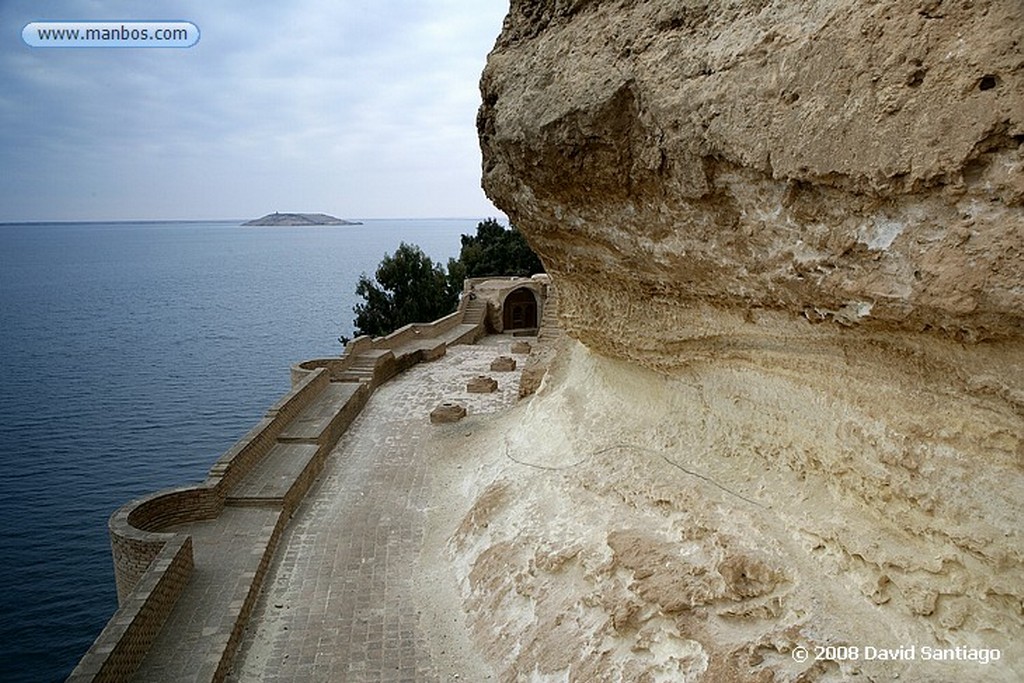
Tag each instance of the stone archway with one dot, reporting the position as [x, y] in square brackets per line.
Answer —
[519, 310]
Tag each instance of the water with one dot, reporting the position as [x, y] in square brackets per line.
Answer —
[131, 356]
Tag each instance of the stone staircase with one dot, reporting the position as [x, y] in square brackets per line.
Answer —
[474, 312]
[364, 366]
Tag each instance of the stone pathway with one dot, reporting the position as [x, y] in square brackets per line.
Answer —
[338, 601]
[211, 604]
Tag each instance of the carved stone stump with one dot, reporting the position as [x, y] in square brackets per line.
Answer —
[521, 347]
[449, 411]
[482, 384]
[503, 364]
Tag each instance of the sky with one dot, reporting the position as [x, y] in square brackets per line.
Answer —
[356, 108]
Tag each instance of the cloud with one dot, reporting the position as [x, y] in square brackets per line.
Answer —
[360, 108]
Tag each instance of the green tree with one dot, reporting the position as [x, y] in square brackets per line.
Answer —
[496, 250]
[408, 287]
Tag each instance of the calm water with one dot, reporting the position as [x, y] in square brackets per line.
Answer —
[131, 356]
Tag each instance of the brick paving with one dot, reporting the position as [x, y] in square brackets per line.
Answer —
[338, 602]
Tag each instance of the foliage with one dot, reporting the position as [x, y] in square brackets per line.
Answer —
[495, 250]
[408, 287]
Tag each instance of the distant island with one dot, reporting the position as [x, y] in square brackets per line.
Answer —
[299, 219]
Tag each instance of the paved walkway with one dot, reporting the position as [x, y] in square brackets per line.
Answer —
[338, 602]
[211, 604]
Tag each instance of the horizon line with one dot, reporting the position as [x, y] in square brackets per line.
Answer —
[233, 220]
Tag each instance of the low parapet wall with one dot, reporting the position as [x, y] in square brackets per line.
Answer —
[136, 539]
[238, 460]
[429, 339]
[413, 332]
[130, 633]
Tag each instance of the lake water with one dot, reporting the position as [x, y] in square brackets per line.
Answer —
[131, 356]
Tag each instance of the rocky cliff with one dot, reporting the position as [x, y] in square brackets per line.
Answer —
[807, 219]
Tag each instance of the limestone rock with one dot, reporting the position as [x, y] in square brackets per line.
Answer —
[846, 164]
[808, 219]
[635, 526]
[449, 411]
[481, 384]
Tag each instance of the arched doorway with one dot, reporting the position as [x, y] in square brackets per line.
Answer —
[519, 311]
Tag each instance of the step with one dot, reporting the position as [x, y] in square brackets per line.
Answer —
[313, 424]
[274, 477]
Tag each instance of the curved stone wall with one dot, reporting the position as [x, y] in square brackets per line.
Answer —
[136, 536]
[136, 529]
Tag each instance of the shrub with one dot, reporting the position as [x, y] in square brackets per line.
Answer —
[495, 250]
[408, 287]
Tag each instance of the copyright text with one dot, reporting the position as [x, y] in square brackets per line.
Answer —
[905, 653]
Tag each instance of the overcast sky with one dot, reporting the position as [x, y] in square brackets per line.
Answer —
[358, 108]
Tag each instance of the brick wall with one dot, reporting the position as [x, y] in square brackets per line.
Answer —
[126, 640]
[135, 529]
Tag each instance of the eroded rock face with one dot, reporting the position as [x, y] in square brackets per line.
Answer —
[626, 525]
[854, 164]
[808, 218]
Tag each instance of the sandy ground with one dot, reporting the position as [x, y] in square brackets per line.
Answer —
[454, 454]
[627, 526]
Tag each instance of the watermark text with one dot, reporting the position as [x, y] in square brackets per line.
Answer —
[110, 34]
[902, 653]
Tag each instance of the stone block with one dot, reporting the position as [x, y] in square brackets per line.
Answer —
[521, 347]
[434, 352]
[482, 384]
[449, 411]
[503, 364]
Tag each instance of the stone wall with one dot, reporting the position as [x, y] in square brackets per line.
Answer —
[426, 336]
[545, 349]
[136, 528]
[135, 536]
[493, 291]
[127, 638]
